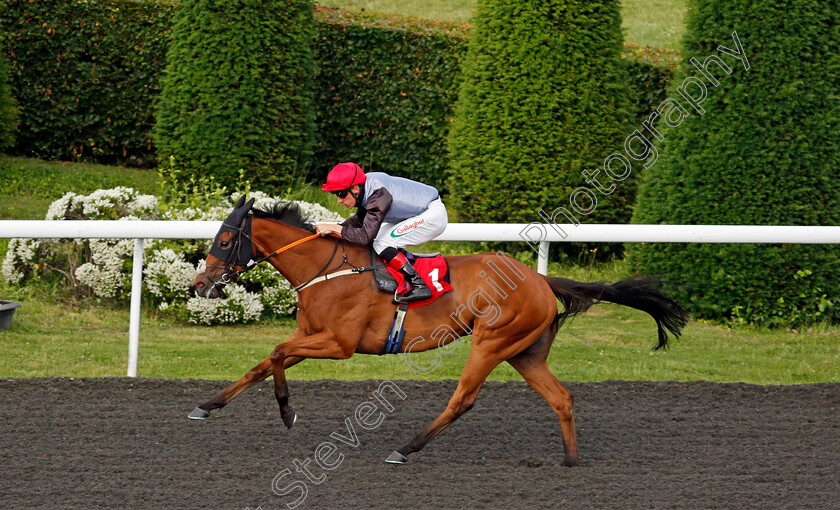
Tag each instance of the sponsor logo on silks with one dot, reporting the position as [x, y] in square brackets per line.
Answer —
[405, 229]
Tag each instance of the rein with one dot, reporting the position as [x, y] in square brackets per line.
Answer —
[289, 246]
[230, 275]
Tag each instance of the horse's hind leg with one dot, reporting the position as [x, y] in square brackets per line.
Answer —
[531, 363]
[476, 370]
[255, 375]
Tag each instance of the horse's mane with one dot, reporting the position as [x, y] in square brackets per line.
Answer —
[286, 212]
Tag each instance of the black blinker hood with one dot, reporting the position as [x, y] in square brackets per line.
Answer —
[239, 226]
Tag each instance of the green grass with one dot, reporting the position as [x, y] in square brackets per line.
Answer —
[51, 336]
[654, 22]
[458, 10]
[608, 342]
[28, 186]
[13, 208]
[647, 22]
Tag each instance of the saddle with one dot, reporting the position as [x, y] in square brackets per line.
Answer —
[391, 281]
[434, 271]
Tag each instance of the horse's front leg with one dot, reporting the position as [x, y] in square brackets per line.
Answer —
[323, 345]
[255, 375]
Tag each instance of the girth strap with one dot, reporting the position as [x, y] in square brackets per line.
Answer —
[395, 336]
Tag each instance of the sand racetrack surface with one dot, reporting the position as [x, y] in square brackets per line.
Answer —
[126, 443]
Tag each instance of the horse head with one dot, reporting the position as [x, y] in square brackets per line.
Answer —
[231, 252]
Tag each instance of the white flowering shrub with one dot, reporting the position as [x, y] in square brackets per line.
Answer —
[240, 306]
[20, 260]
[168, 275]
[107, 271]
[104, 204]
[89, 266]
[102, 267]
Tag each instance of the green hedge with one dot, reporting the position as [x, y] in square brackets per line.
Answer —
[385, 88]
[544, 97]
[8, 106]
[649, 72]
[237, 90]
[85, 75]
[385, 85]
[763, 153]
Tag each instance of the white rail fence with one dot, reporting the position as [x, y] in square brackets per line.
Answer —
[538, 236]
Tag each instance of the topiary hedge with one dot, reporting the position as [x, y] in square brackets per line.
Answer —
[649, 72]
[385, 88]
[85, 75]
[543, 98]
[760, 149]
[237, 90]
[8, 106]
[385, 85]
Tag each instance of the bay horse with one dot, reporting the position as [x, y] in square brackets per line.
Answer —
[510, 310]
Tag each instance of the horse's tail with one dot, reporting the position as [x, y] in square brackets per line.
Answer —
[643, 295]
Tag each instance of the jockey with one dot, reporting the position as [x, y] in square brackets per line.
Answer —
[392, 213]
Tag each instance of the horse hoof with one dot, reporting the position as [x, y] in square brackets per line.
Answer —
[198, 414]
[396, 458]
[290, 419]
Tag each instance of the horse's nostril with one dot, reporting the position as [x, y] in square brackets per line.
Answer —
[200, 285]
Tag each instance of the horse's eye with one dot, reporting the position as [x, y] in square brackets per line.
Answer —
[224, 244]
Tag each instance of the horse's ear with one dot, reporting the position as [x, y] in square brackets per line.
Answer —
[241, 202]
[249, 204]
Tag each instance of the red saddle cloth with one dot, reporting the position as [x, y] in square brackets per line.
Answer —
[434, 272]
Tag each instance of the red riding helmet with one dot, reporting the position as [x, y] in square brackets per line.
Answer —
[344, 175]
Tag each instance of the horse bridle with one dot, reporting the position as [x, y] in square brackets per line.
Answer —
[233, 258]
[243, 230]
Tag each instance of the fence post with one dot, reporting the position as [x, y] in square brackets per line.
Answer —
[542, 264]
[134, 323]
